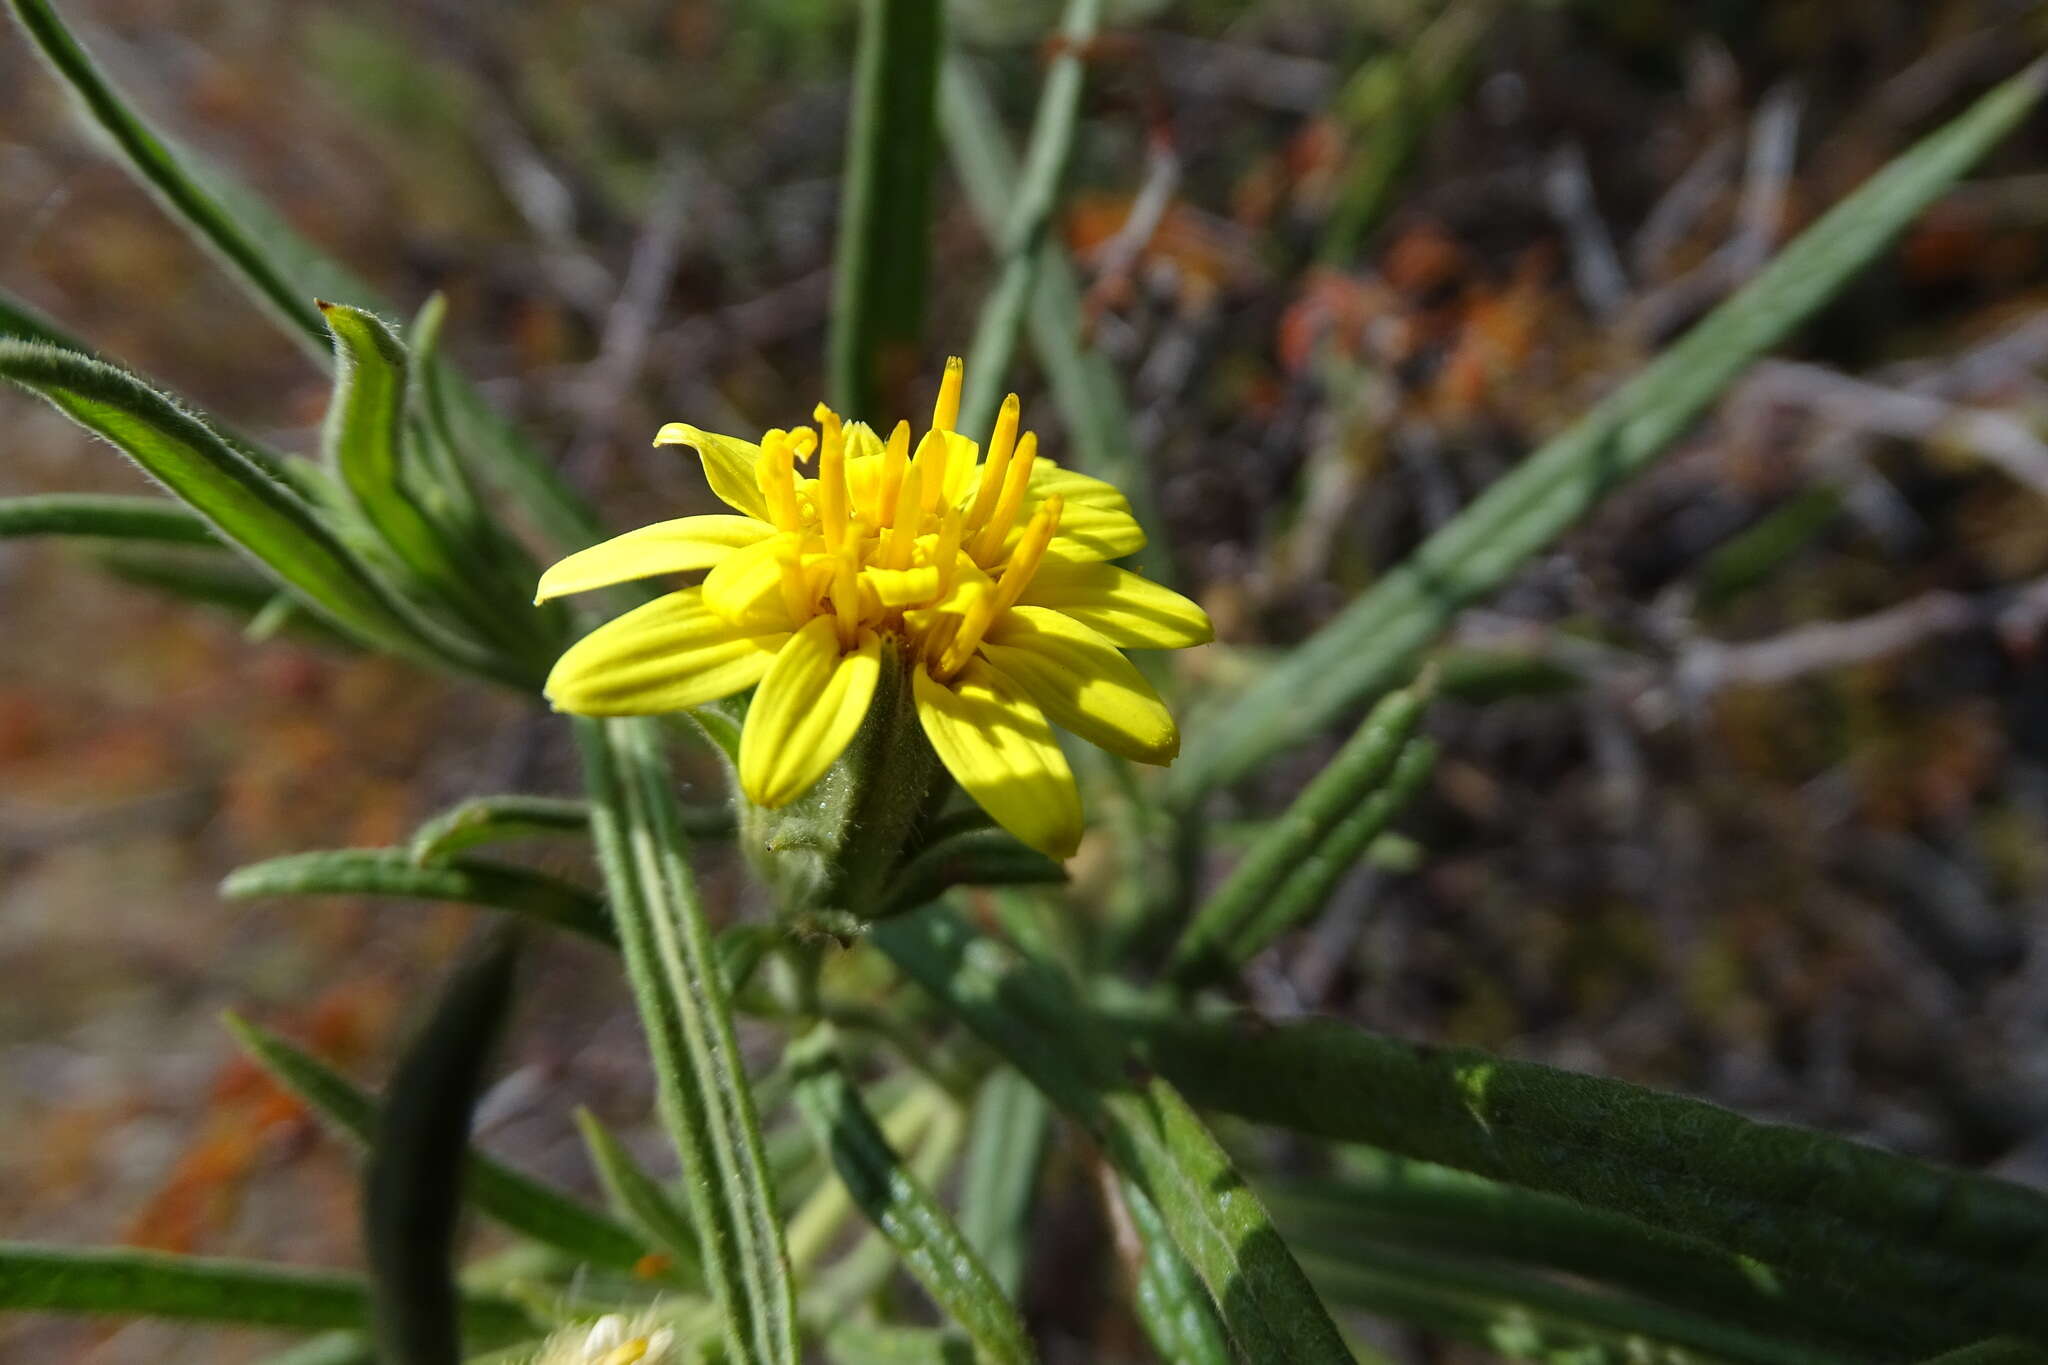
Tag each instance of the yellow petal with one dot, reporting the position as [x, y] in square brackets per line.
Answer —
[811, 702]
[1081, 683]
[1002, 753]
[746, 586]
[665, 547]
[1128, 611]
[957, 483]
[903, 587]
[729, 465]
[1095, 524]
[862, 442]
[671, 654]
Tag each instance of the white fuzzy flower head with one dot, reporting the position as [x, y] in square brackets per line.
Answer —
[612, 1340]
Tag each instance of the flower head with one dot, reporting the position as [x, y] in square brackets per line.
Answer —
[987, 577]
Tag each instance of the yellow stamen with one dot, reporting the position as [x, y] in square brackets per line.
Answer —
[846, 595]
[1016, 480]
[832, 479]
[974, 623]
[1030, 552]
[778, 481]
[934, 453]
[946, 411]
[1000, 443]
[796, 594]
[895, 456]
[903, 527]
[946, 554]
[631, 1353]
[802, 441]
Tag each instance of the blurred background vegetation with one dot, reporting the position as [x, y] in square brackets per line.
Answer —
[1757, 807]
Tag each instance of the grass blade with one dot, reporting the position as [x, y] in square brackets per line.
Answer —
[105, 517]
[1220, 935]
[1367, 645]
[636, 1193]
[1027, 1012]
[885, 206]
[241, 502]
[1005, 1141]
[412, 1186]
[122, 1282]
[1032, 199]
[706, 1103]
[1084, 384]
[1974, 1250]
[392, 872]
[930, 1246]
[520, 1202]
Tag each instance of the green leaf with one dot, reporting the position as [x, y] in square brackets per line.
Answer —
[392, 872]
[494, 820]
[1222, 935]
[636, 1194]
[1996, 1351]
[1307, 888]
[24, 322]
[1084, 384]
[706, 1104]
[1033, 196]
[1525, 1317]
[1369, 643]
[218, 581]
[284, 273]
[984, 856]
[412, 1185]
[1973, 1248]
[1005, 1141]
[863, 1343]
[1171, 1303]
[329, 1348]
[520, 1202]
[1028, 1013]
[236, 498]
[104, 516]
[122, 1282]
[905, 1212]
[885, 206]
[1383, 1199]
[364, 440]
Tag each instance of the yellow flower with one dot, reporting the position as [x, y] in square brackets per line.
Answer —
[988, 579]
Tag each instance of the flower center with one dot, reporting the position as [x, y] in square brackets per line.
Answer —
[924, 546]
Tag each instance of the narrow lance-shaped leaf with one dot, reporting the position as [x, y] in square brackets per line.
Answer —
[1084, 383]
[706, 1104]
[392, 872]
[1033, 197]
[1343, 785]
[1170, 1300]
[284, 273]
[1028, 1013]
[640, 1198]
[1863, 1219]
[931, 1247]
[1005, 1141]
[103, 516]
[244, 505]
[412, 1187]
[885, 205]
[1307, 888]
[1379, 632]
[520, 1202]
[124, 1282]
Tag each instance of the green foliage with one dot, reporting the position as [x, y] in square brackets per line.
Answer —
[885, 206]
[1027, 1012]
[636, 1195]
[104, 517]
[1377, 635]
[706, 1103]
[123, 1282]
[412, 1184]
[931, 1247]
[518, 1201]
[393, 872]
[1856, 1217]
[1169, 1299]
[1005, 1142]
